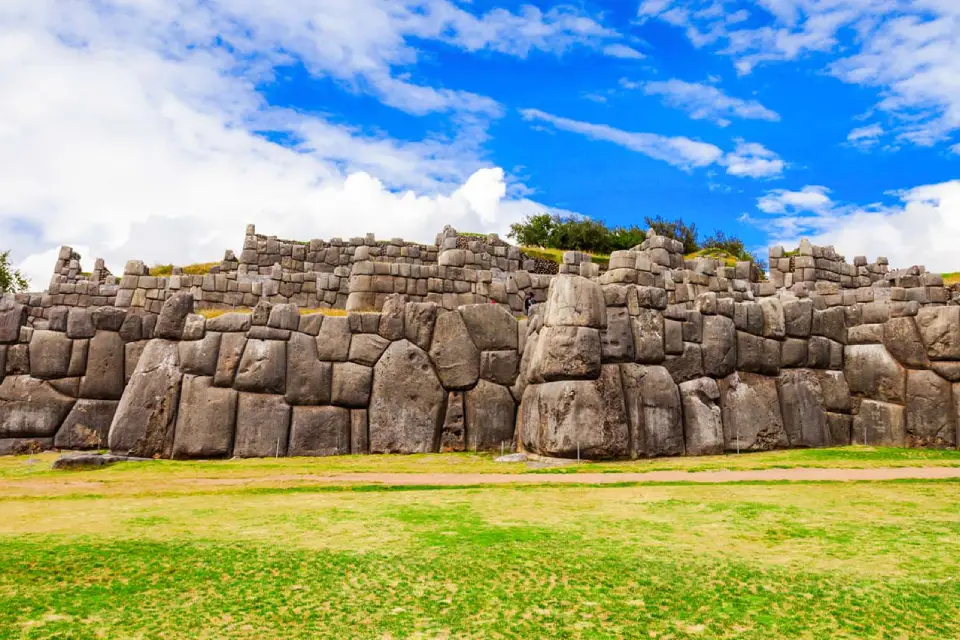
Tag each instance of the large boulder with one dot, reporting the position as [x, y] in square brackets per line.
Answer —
[757, 355]
[50, 353]
[719, 346]
[774, 324]
[359, 433]
[491, 326]
[566, 353]
[573, 301]
[686, 366]
[560, 419]
[702, 418]
[31, 408]
[366, 348]
[798, 317]
[232, 346]
[500, 366]
[391, 317]
[173, 316]
[803, 408]
[453, 434]
[87, 425]
[751, 413]
[263, 367]
[319, 431]
[419, 318]
[490, 417]
[351, 385]
[12, 316]
[144, 423]
[205, 419]
[104, 378]
[199, 357]
[654, 410]
[879, 424]
[940, 331]
[836, 392]
[872, 372]
[453, 352]
[263, 426]
[648, 336]
[308, 379]
[617, 339]
[902, 339]
[333, 341]
[407, 402]
[931, 419]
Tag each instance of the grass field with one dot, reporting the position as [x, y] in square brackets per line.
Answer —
[182, 550]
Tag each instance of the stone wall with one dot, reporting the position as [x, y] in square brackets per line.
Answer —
[657, 356]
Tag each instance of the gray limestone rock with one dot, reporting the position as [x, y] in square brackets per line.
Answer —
[566, 353]
[319, 431]
[576, 302]
[263, 367]
[500, 367]
[144, 422]
[931, 420]
[406, 404]
[308, 380]
[491, 326]
[87, 425]
[686, 366]
[333, 341]
[50, 353]
[836, 392]
[751, 413]
[104, 379]
[205, 419]
[648, 336]
[132, 328]
[872, 373]
[702, 418]
[12, 317]
[560, 419]
[131, 356]
[359, 432]
[793, 353]
[774, 323]
[366, 348]
[80, 323]
[940, 332]
[453, 353]
[830, 323]
[902, 339]
[351, 385]
[719, 346]
[284, 316]
[194, 327]
[31, 408]
[419, 318]
[803, 408]
[230, 323]
[757, 355]
[840, 426]
[616, 340]
[490, 417]
[453, 434]
[173, 316]
[200, 357]
[263, 425]
[392, 317]
[798, 317]
[232, 346]
[879, 424]
[655, 412]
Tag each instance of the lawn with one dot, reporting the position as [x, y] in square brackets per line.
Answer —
[191, 550]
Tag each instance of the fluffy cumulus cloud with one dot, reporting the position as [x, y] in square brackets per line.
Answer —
[138, 129]
[921, 228]
[748, 159]
[909, 50]
[706, 102]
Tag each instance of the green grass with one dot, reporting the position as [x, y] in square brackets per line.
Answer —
[199, 269]
[216, 560]
[556, 255]
[951, 278]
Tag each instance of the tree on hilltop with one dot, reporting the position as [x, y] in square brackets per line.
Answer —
[11, 280]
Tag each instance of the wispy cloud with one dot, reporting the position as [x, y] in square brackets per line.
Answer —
[706, 102]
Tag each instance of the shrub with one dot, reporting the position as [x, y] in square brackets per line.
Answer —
[11, 280]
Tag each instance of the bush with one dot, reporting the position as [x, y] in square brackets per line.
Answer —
[573, 233]
[11, 280]
[676, 229]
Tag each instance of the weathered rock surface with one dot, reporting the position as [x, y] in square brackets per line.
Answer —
[491, 327]
[351, 384]
[879, 424]
[407, 402]
[803, 408]
[419, 319]
[199, 357]
[205, 419]
[453, 353]
[263, 367]
[648, 336]
[931, 419]
[87, 425]
[901, 337]
[232, 346]
[686, 366]
[104, 379]
[500, 367]
[263, 425]
[367, 348]
[566, 353]
[333, 341]
[453, 434]
[308, 380]
[144, 423]
[940, 331]
[50, 354]
[575, 302]
[752, 420]
[490, 417]
[872, 372]
[719, 346]
[616, 340]
[560, 418]
[702, 419]
[173, 316]
[654, 409]
[319, 431]
[31, 408]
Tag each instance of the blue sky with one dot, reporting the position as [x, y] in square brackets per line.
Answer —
[155, 130]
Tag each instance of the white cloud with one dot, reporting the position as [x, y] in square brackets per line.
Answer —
[678, 151]
[909, 50]
[865, 137]
[705, 102]
[749, 159]
[753, 160]
[622, 51]
[128, 131]
[956, 149]
[920, 229]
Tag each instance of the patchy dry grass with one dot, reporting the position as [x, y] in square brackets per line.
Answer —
[951, 278]
[829, 560]
[556, 255]
[198, 269]
[214, 313]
